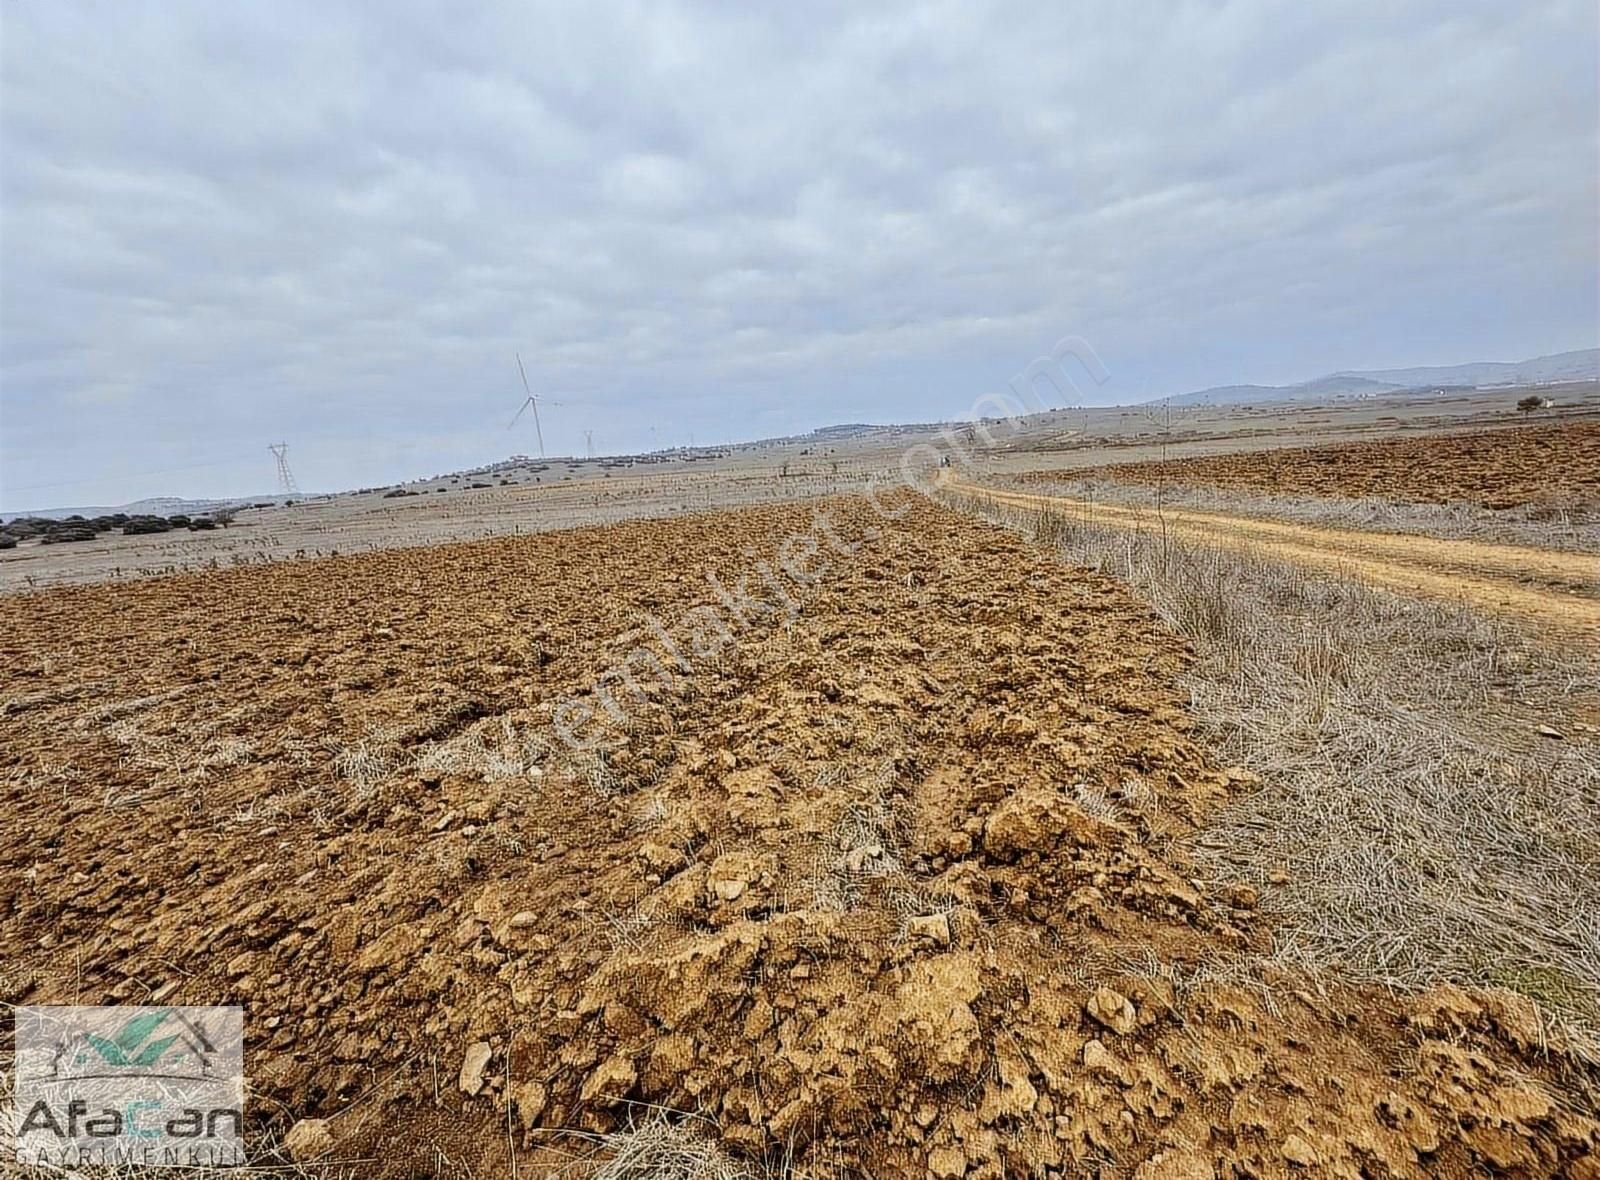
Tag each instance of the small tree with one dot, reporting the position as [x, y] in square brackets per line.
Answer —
[1530, 403]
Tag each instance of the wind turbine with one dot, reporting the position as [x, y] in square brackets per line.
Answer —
[532, 401]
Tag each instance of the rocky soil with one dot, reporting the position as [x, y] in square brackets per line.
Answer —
[884, 875]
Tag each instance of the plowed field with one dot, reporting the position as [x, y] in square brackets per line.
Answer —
[877, 870]
[1555, 464]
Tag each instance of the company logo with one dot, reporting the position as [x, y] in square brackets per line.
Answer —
[128, 1085]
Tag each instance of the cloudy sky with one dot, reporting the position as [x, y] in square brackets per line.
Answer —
[334, 224]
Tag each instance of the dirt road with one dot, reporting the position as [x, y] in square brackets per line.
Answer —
[1554, 589]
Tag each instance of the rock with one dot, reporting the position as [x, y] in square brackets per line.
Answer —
[1112, 1009]
[397, 945]
[934, 928]
[522, 919]
[308, 1139]
[1586, 1168]
[1244, 897]
[610, 1082]
[1297, 1151]
[529, 1099]
[1551, 732]
[947, 1163]
[731, 874]
[1098, 1059]
[659, 858]
[472, 1067]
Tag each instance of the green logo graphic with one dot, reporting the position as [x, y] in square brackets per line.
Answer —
[120, 1049]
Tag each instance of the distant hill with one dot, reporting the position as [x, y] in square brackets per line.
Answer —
[154, 506]
[1582, 365]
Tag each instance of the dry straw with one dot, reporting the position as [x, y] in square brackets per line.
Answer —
[1415, 825]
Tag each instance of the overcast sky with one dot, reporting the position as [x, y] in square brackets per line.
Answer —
[226, 225]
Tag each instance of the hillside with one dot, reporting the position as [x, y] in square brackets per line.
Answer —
[1580, 365]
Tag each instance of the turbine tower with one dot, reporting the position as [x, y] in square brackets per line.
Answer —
[532, 401]
[286, 484]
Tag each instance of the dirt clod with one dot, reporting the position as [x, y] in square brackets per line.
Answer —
[1017, 976]
[1113, 1010]
[473, 1064]
[1297, 1151]
[308, 1139]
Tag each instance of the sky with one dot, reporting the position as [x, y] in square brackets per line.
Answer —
[335, 225]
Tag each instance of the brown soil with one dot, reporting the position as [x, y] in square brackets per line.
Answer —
[1555, 464]
[893, 887]
[1551, 589]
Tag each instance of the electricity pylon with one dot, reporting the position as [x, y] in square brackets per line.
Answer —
[286, 484]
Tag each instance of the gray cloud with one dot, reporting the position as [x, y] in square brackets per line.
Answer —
[225, 225]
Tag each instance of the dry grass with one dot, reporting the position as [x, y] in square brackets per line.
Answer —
[863, 846]
[367, 761]
[1573, 528]
[492, 750]
[660, 1149]
[1413, 826]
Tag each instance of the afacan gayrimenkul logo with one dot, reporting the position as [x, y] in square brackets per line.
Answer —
[129, 1086]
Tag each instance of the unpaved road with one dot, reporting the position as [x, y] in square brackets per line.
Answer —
[1552, 588]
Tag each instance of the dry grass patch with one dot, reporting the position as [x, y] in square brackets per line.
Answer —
[1568, 527]
[1414, 825]
[660, 1149]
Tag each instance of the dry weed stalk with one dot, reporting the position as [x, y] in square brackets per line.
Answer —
[481, 753]
[1413, 827]
[366, 762]
[660, 1149]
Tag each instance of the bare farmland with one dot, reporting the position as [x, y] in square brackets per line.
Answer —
[909, 876]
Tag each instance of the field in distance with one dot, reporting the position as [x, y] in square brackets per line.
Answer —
[535, 496]
[1555, 465]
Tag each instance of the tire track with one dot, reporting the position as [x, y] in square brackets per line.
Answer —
[1548, 587]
